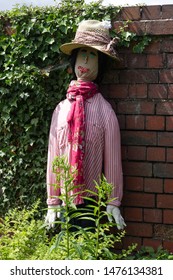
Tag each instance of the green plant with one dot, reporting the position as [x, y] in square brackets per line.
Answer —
[33, 79]
[142, 42]
[24, 236]
[149, 253]
[89, 243]
[21, 234]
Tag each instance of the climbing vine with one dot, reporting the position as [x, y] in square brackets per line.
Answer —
[33, 79]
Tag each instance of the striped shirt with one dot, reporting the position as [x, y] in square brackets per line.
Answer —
[102, 149]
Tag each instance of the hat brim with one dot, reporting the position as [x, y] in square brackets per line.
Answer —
[69, 47]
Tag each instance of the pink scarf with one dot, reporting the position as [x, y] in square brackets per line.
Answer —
[77, 93]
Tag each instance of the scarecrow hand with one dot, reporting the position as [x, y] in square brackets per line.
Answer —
[115, 212]
[52, 213]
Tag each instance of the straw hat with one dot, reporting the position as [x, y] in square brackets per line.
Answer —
[94, 34]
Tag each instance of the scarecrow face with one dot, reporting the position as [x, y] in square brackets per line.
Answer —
[86, 66]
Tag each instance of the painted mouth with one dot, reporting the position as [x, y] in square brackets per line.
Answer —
[83, 69]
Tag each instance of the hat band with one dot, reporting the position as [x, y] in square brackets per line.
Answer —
[91, 38]
[96, 39]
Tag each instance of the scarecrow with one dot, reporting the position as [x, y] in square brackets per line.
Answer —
[84, 126]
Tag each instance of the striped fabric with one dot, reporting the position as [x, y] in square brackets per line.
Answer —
[102, 150]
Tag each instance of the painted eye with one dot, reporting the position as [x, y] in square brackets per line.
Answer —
[83, 53]
[92, 55]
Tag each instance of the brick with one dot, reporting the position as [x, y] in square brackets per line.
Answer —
[169, 60]
[136, 107]
[129, 13]
[136, 61]
[155, 123]
[136, 199]
[164, 200]
[154, 47]
[152, 215]
[136, 153]
[163, 232]
[168, 216]
[170, 91]
[124, 152]
[121, 121]
[169, 154]
[134, 183]
[113, 104]
[153, 185]
[167, 11]
[138, 91]
[133, 214]
[129, 240]
[169, 123]
[139, 229]
[124, 51]
[168, 245]
[154, 243]
[157, 91]
[137, 169]
[135, 122]
[139, 76]
[137, 27]
[167, 45]
[155, 61]
[111, 77]
[164, 108]
[121, 64]
[165, 139]
[163, 170]
[156, 154]
[166, 76]
[159, 27]
[104, 89]
[139, 138]
[168, 185]
[151, 12]
[117, 91]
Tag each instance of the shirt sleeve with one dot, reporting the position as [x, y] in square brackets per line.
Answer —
[112, 159]
[52, 191]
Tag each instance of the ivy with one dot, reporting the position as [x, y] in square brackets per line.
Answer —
[33, 79]
[142, 43]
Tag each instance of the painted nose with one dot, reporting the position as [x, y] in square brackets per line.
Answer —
[86, 59]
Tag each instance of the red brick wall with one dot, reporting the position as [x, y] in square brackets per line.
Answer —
[141, 92]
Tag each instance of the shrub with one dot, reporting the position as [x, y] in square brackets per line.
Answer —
[149, 253]
[23, 236]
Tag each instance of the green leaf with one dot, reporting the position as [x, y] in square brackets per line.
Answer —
[43, 56]
[63, 29]
[25, 51]
[55, 48]
[50, 40]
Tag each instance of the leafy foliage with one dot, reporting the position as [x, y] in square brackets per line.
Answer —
[94, 242]
[34, 76]
[33, 79]
[149, 253]
[22, 236]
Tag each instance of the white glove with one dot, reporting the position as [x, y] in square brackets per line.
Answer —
[115, 212]
[52, 213]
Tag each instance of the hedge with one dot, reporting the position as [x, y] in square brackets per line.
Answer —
[33, 79]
